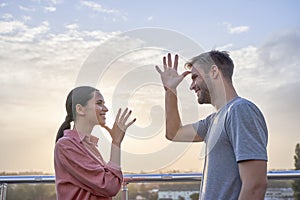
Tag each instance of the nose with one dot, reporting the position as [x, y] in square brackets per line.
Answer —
[192, 87]
[105, 109]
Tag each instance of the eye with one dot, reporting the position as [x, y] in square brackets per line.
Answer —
[100, 103]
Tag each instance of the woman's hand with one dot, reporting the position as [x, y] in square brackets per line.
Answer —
[120, 126]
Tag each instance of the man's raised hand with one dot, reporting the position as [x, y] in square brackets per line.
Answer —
[169, 76]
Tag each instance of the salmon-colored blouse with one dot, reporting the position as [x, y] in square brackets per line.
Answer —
[80, 171]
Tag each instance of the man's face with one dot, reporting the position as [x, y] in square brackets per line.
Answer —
[199, 85]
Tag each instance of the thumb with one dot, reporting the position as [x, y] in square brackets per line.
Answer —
[107, 128]
[184, 74]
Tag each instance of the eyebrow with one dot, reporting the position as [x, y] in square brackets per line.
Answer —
[194, 76]
[100, 101]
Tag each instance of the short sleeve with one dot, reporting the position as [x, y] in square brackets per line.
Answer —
[247, 132]
[202, 126]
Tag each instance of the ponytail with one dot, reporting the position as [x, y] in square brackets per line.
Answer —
[64, 126]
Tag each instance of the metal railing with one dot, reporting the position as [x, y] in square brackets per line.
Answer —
[135, 178]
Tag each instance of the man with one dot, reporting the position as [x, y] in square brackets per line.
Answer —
[235, 136]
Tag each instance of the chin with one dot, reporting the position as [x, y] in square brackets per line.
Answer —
[204, 101]
[102, 123]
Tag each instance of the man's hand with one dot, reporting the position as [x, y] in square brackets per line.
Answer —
[170, 77]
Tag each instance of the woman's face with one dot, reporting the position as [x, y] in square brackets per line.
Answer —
[96, 109]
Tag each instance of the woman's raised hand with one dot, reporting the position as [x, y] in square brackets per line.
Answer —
[120, 126]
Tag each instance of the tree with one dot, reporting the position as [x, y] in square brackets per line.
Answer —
[194, 196]
[180, 198]
[296, 183]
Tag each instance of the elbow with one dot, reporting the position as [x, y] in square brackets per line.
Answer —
[109, 188]
[171, 133]
[257, 189]
[169, 136]
[260, 190]
[262, 186]
[109, 191]
[113, 191]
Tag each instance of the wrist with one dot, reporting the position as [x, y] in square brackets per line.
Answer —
[170, 91]
[116, 143]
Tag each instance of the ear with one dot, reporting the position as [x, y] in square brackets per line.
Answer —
[80, 110]
[214, 71]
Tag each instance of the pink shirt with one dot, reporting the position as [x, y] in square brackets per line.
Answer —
[80, 174]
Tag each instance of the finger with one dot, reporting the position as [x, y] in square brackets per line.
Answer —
[165, 62]
[169, 60]
[176, 62]
[158, 69]
[107, 128]
[127, 116]
[123, 115]
[129, 124]
[118, 115]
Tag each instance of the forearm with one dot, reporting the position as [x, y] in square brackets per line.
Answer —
[115, 154]
[173, 121]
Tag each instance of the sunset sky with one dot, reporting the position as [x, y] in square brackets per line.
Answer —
[47, 47]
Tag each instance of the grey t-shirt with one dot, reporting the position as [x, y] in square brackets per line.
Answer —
[237, 132]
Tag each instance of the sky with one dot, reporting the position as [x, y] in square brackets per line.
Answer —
[48, 47]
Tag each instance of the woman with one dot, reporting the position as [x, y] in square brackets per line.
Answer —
[80, 171]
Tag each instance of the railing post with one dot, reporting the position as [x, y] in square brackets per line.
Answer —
[3, 188]
[124, 195]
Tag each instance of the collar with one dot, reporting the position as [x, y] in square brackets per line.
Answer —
[81, 137]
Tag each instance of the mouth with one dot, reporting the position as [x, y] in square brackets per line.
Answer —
[198, 92]
[102, 115]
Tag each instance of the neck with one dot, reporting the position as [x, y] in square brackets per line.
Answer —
[223, 95]
[82, 127]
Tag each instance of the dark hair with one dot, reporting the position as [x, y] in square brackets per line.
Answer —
[79, 95]
[214, 57]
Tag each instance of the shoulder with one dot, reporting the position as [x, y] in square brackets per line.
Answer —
[66, 143]
[245, 106]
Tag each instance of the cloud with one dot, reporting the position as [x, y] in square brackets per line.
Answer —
[31, 55]
[55, 2]
[27, 9]
[11, 26]
[113, 14]
[6, 16]
[17, 31]
[273, 64]
[271, 72]
[50, 9]
[3, 5]
[225, 47]
[72, 26]
[150, 18]
[236, 29]
[97, 7]
[281, 52]
[26, 18]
